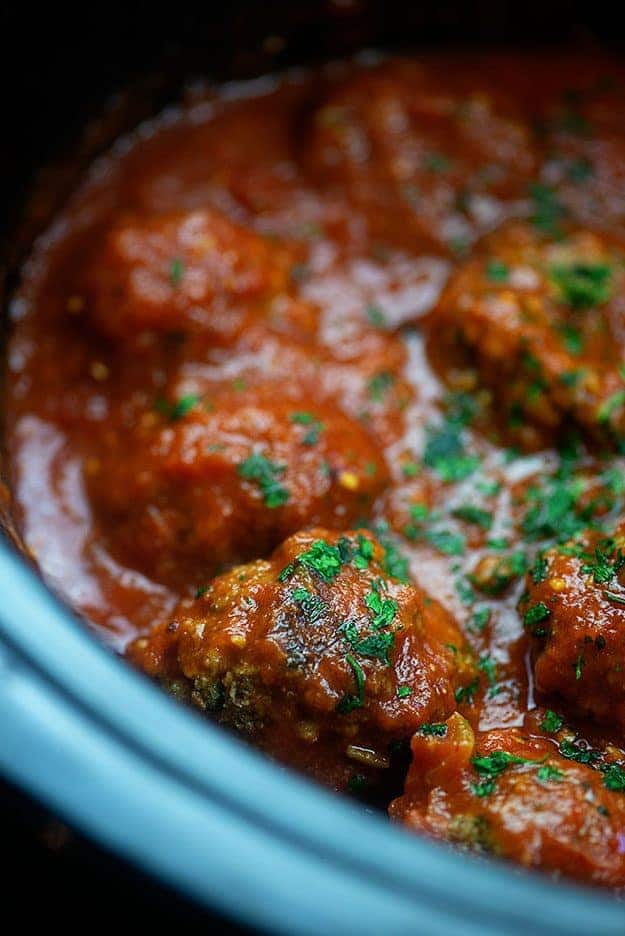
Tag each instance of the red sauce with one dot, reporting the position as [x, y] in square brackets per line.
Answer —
[367, 300]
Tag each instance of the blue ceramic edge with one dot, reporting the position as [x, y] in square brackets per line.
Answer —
[205, 814]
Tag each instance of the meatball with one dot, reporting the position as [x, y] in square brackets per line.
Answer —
[316, 654]
[585, 143]
[421, 160]
[188, 271]
[208, 482]
[574, 613]
[514, 795]
[542, 320]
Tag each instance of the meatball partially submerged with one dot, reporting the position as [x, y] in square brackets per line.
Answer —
[206, 483]
[517, 796]
[574, 612]
[188, 271]
[426, 162]
[543, 322]
[316, 654]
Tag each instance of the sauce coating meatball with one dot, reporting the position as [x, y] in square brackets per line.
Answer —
[574, 612]
[425, 162]
[514, 795]
[316, 654]
[186, 271]
[542, 319]
[208, 482]
[585, 144]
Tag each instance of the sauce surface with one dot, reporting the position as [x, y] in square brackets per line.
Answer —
[385, 304]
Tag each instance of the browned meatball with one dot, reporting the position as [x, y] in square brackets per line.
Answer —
[315, 654]
[542, 320]
[187, 271]
[516, 796]
[211, 482]
[574, 612]
[426, 162]
[585, 145]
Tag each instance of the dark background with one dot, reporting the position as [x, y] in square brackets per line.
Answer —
[59, 64]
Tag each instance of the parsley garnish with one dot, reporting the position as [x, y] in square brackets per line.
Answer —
[179, 409]
[176, 271]
[265, 474]
[535, 615]
[497, 271]
[379, 385]
[551, 722]
[350, 702]
[582, 285]
[434, 729]
[311, 437]
[476, 515]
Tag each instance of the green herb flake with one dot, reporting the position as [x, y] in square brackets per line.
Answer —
[479, 620]
[265, 474]
[549, 774]
[376, 316]
[535, 615]
[551, 722]
[433, 729]
[497, 271]
[323, 559]
[403, 692]
[582, 285]
[474, 515]
[176, 272]
[350, 702]
[466, 693]
[379, 385]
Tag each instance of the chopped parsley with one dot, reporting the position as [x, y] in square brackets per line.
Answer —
[497, 271]
[179, 409]
[490, 767]
[547, 211]
[325, 560]
[315, 427]
[606, 562]
[549, 774]
[446, 542]
[265, 474]
[376, 316]
[479, 620]
[607, 409]
[535, 616]
[434, 729]
[475, 515]
[551, 722]
[350, 702]
[582, 285]
[614, 777]
[445, 451]
[466, 693]
[403, 692]
[379, 385]
[176, 272]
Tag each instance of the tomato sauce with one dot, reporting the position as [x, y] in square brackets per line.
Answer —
[382, 302]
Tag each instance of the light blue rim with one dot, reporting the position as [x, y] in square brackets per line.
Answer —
[198, 810]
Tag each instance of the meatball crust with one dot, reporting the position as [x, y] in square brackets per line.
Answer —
[542, 320]
[206, 483]
[420, 158]
[585, 145]
[316, 654]
[512, 794]
[187, 271]
[574, 613]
